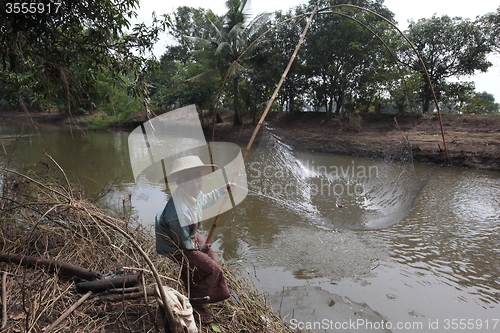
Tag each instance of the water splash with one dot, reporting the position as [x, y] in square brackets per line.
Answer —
[335, 191]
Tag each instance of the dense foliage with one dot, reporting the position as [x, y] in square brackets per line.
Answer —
[56, 53]
[450, 47]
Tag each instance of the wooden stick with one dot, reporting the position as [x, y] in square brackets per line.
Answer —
[112, 283]
[148, 271]
[50, 264]
[4, 300]
[264, 114]
[129, 296]
[124, 290]
[283, 77]
[68, 312]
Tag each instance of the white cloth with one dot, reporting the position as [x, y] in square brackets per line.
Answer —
[181, 309]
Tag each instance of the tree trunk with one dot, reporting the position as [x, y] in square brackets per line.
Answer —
[425, 106]
[350, 107]
[291, 106]
[401, 110]
[427, 98]
[218, 118]
[378, 108]
[339, 102]
[329, 109]
[200, 115]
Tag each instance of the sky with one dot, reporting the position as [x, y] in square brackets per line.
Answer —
[404, 10]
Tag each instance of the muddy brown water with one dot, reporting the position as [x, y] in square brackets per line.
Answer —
[435, 270]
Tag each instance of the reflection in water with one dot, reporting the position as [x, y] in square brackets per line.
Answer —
[95, 159]
[439, 262]
[457, 238]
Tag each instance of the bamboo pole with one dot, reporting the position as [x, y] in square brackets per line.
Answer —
[283, 77]
[264, 114]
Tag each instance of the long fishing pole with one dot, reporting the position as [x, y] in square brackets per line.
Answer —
[259, 125]
[266, 111]
[422, 63]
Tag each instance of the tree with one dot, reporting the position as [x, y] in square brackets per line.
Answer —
[342, 56]
[170, 86]
[491, 24]
[450, 47]
[228, 43]
[55, 49]
[481, 103]
[294, 90]
[192, 22]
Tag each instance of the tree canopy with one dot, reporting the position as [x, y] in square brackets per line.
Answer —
[450, 47]
[56, 49]
[226, 51]
[491, 23]
[351, 59]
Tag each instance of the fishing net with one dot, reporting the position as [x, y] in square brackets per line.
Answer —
[355, 191]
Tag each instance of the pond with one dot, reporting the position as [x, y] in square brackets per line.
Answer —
[436, 269]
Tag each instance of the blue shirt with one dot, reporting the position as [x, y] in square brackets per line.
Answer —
[175, 227]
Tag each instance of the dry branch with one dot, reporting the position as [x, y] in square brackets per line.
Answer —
[68, 312]
[105, 284]
[129, 296]
[124, 290]
[50, 264]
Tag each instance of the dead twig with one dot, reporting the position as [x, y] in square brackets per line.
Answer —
[50, 264]
[68, 312]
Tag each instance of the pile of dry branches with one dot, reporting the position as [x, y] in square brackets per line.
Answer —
[49, 219]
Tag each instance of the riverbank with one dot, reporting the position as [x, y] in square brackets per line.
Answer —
[52, 238]
[472, 141]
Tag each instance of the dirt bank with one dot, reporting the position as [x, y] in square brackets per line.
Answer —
[473, 141]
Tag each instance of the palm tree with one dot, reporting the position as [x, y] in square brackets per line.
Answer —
[228, 44]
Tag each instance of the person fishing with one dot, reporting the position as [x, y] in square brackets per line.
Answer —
[177, 237]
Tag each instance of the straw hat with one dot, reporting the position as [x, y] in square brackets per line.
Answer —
[188, 163]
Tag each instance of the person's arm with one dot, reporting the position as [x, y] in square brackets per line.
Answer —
[212, 197]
